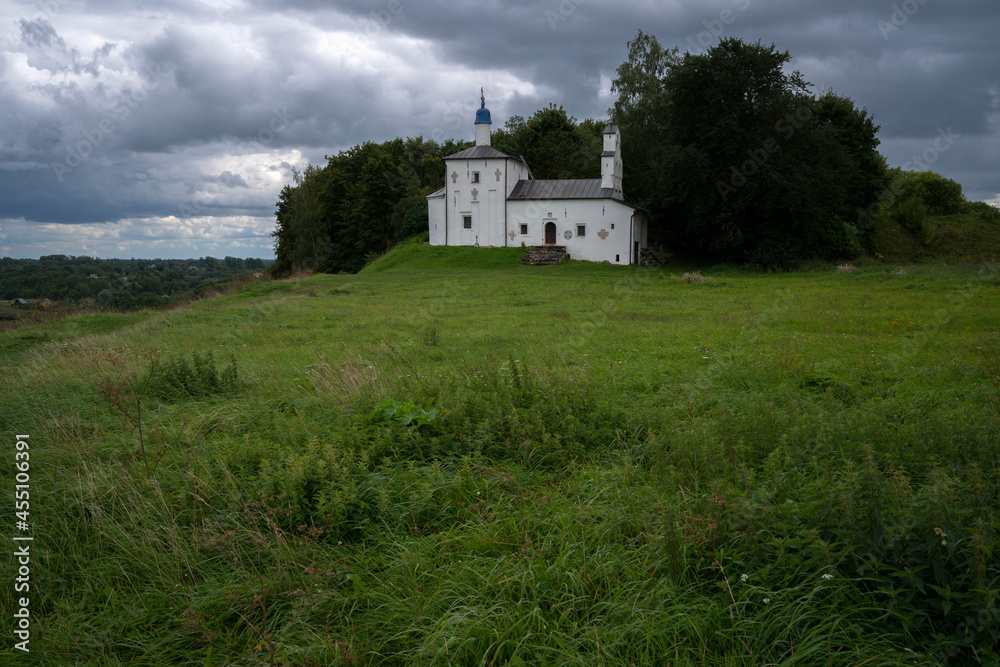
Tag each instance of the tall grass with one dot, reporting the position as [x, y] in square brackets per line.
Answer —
[606, 467]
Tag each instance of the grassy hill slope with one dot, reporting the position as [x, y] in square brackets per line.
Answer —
[499, 464]
[953, 239]
[415, 256]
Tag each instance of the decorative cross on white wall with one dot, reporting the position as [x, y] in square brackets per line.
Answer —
[475, 193]
[454, 177]
[603, 234]
[498, 174]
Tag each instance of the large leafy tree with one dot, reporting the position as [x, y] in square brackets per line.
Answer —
[301, 236]
[642, 113]
[553, 143]
[737, 160]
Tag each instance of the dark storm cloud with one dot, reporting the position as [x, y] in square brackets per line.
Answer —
[188, 110]
[38, 33]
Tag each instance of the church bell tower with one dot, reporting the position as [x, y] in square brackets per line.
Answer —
[483, 122]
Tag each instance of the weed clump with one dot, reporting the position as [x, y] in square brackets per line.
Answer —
[179, 378]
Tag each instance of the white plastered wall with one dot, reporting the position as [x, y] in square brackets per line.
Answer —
[610, 232]
[497, 177]
[435, 219]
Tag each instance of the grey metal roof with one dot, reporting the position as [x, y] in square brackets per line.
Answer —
[580, 188]
[437, 193]
[610, 129]
[478, 153]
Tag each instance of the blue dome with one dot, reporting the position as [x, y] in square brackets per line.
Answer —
[483, 114]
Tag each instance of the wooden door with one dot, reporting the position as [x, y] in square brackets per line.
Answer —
[550, 233]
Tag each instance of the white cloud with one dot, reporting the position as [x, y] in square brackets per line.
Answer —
[168, 237]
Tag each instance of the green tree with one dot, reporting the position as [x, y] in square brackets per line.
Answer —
[553, 144]
[410, 219]
[301, 236]
[641, 112]
[735, 159]
[940, 195]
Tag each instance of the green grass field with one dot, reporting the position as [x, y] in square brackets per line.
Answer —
[451, 458]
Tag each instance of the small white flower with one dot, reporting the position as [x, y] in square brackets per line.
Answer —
[744, 577]
[766, 600]
[339, 543]
[827, 576]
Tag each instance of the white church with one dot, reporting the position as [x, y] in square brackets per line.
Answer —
[491, 199]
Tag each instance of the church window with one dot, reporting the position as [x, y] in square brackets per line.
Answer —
[475, 177]
[524, 229]
[581, 230]
[467, 221]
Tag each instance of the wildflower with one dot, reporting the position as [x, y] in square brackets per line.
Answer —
[766, 600]
[827, 576]
[744, 577]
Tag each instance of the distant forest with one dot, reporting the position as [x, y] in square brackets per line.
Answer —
[117, 284]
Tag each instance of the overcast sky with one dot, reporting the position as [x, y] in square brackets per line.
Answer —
[168, 128]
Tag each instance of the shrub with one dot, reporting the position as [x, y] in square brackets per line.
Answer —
[911, 214]
[986, 211]
[941, 196]
[406, 412]
[180, 377]
[412, 213]
[769, 255]
[842, 239]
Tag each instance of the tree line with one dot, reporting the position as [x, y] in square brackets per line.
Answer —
[730, 153]
[120, 284]
[737, 160]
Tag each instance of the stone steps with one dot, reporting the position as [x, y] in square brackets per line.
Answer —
[648, 258]
[545, 255]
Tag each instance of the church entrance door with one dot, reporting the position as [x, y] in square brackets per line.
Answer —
[550, 233]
